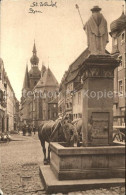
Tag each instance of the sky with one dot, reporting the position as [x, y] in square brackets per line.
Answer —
[57, 31]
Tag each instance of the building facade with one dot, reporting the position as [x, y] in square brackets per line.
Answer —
[9, 105]
[45, 102]
[2, 96]
[71, 94]
[118, 34]
[62, 96]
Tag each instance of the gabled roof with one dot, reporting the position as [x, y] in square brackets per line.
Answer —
[74, 67]
[43, 69]
[48, 80]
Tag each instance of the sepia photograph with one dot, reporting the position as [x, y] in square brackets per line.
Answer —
[62, 97]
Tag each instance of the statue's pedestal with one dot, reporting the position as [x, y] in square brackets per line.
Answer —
[97, 75]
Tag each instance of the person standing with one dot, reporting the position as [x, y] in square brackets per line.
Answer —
[34, 129]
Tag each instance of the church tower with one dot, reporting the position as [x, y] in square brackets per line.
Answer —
[31, 78]
[34, 73]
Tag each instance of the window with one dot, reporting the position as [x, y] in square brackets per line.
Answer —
[44, 115]
[125, 87]
[125, 60]
[35, 82]
[120, 58]
[54, 105]
[74, 101]
[54, 114]
[79, 115]
[70, 104]
[71, 87]
[115, 41]
[1, 95]
[123, 36]
[33, 106]
[67, 105]
[120, 87]
[79, 97]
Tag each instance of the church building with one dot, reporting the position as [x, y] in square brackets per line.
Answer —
[39, 88]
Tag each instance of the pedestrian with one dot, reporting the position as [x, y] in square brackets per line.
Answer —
[29, 129]
[34, 129]
[24, 130]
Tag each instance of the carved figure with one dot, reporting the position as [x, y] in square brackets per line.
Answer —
[97, 32]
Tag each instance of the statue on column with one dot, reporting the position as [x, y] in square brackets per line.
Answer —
[97, 32]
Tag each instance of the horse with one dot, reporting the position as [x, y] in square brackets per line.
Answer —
[78, 126]
[56, 131]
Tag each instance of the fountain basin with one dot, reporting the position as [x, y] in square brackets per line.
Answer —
[87, 162]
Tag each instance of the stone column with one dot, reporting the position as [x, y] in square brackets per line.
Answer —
[97, 114]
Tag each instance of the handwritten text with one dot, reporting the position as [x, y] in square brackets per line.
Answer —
[35, 5]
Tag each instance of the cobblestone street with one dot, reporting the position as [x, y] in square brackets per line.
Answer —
[20, 160]
[20, 166]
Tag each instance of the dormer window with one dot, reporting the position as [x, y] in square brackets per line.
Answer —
[123, 36]
[120, 87]
[120, 58]
[5, 85]
[1, 95]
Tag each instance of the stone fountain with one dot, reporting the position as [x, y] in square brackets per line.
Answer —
[98, 162]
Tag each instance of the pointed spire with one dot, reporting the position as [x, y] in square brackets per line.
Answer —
[34, 59]
[122, 9]
[26, 79]
[48, 62]
[34, 48]
[43, 69]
